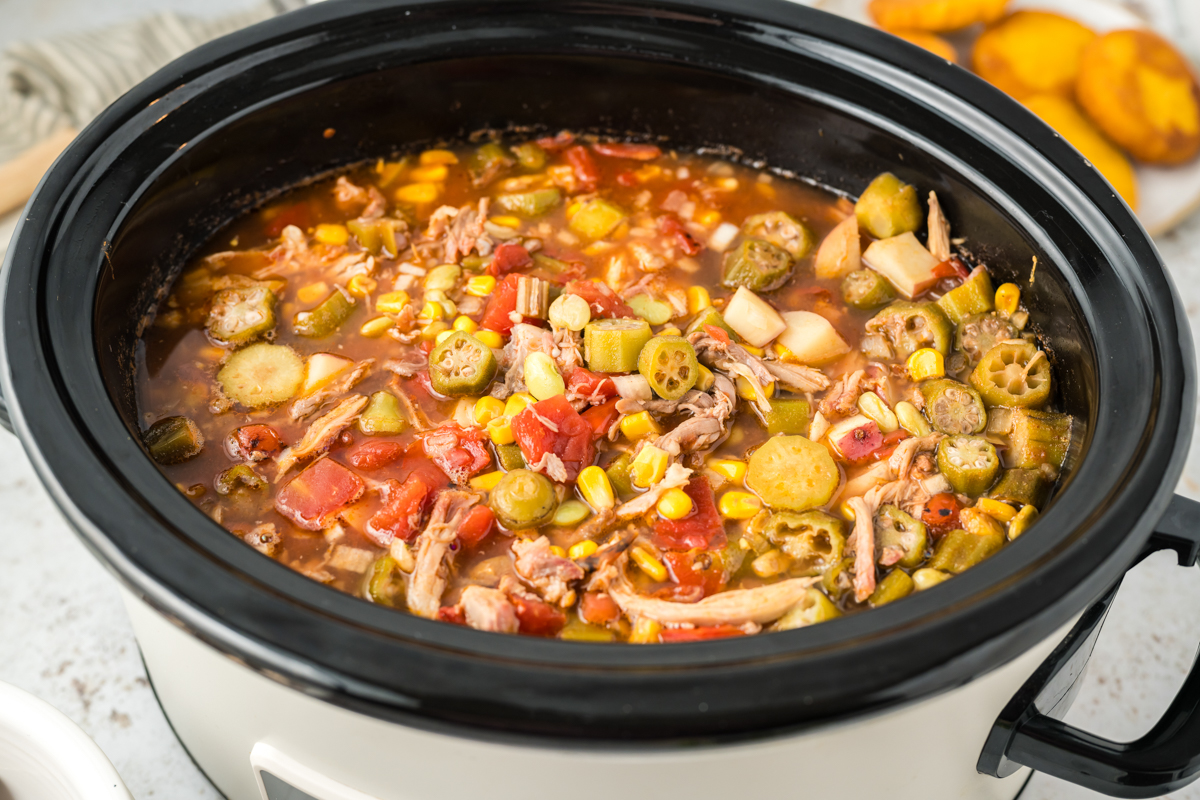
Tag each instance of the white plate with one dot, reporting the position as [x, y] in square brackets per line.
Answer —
[1166, 195]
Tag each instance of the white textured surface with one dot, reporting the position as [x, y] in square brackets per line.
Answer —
[65, 638]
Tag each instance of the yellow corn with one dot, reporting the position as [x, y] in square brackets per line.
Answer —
[911, 420]
[670, 330]
[698, 299]
[639, 425]
[487, 481]
[739, 505]
[432, 158]
[431, 312]
[312, 293]
[431, 174]
[784, 354]
[926, 363]
[374, 328]
[754, 351]
[558, 551]
[466, 325]
[1008, 297]
[507, 221]
[648, 173]
[481, 285]
[705, 380]
[417, 193]
[391, 302]
[1002, 512]
[675, 504]
[846, 510]
[430, 332]
[648, 466]
[361, 286]
[518, 403]
[487, 409]
[490, 338]
[745, 389]
[595, 487]
[443, 336]
[500, 431]
[648, 563]
[708, 218]
[646, 631]
[331, 234]
[876, 410]
[729, 468]
[573, 209]
[582, 549]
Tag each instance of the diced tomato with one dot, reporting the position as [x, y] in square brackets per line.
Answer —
[313, 497]
[601, 418]
[572, 442]
[509, 258]
[537, 618]
[298, 214]
[702, 528]
[556, 142]
[376, 454]
[404, 504]
[890, 440]
[253, 443]
[859, 444]
[458, 451]
[940, 514]
[426, 347]
[476, 527]
[638, 152]
[452, 614]
[697, 568]
[603, 300]
[669, 635]
[671, 226]
[627, 179]
[585, 383]
[598, 608]
[951, 268]
[497, 315]
[720, 334]
[586, 171]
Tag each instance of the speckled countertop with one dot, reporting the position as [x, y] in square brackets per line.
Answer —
[64, 635]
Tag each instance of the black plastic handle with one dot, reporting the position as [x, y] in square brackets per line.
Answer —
[1029, 732]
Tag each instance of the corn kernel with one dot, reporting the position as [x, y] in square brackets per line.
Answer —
[770, 563]
[312, 293]
[708, 218]
[431, 312]
[430, 332]
[646, 631]
[582, 549]
[490, 338]
[570, 514]
[481, 285]
[391, 302]
[754, 351]
[846, 510]
[995, 509]
[430, 174]
[558, 551]
[649, 466]
[517, 403]
[595, 487]
[573, 209]
[745, 389]
[374, 328]
[466, 325]
[361, 286]
[876, 410]
[784, 354]
[739, 505]
[432, 158]
[675, 504]
[417, 193]
[926, 363]
[487, 409]
[213, 353]
[326, 233]
[648, 563]
[911, 420]
[443, 336]
[1008, 297]
[507, 221]
[698, 299]
[639, 425]
[729, 468]
[670, 330]
[541, 376]
[500, 431]
[487, 481]
[705, 379]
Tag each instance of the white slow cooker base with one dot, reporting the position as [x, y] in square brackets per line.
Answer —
[221, 710]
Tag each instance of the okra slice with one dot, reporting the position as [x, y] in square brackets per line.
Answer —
[979, 333]
[952, 407]
[509, 457]
[241, 314]
[382, 416]
[787, 415]
[262, 375]
[596, 219]
[173, 439]
[958, 551]
[814, 607]
[814, 540]
[529, 204]
[895, 586]
[523, 499]
[910, 326]
[756, 264]
[782, 230]
[376, 236]
[1038, 437]
[488, 161]
[325, 319]
[669, 365]
[613, 345]
[1027, 487]
[386, 585]
[461, 365]
[865, 289]
[1013, 373]
[238, 476]
[618, 476]
[974, 296]
[709, 316]
[530, 155]
[656, 312]
[896, 529]
[888, 207]
[970, 463]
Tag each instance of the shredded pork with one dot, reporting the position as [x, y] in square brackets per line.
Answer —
[322, 433]
[434, 555]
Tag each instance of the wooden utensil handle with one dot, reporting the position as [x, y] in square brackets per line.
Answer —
[19, 177]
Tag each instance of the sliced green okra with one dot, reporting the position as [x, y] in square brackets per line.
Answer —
[173, 439]
[530, 155]
[488, 161]
[618, 476]
[530, 204]
[952, 407]
[382, 416]
[782, 230]
[523, 499]
[896, 529]
[326, 318]
[461, 365]
[814, 607]
[888, 207]
[669, 365]
[509, 457]
[787, 415]
[978, 334]
[1038, 437]
[910, 326]
[970, 463]
[709, 316]
[386, 586]
[814, 540]
[237, 476]
[866, 289]
[241, 314]
[1013, 373]
[896, 584]
[1027, 487]
[613, 345]
[958, 551]
[974, 296]
[756, 264]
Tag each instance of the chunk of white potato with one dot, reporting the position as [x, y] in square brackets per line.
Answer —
[811, 338]
[753, 318]
[841, 252]
[322, 368]
[905, 262]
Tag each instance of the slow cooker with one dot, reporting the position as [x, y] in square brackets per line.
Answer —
[281, 687]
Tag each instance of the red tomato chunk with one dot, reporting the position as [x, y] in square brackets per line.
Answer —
[313, 497]
[509, 258]
[586, 171]
[638, 152]
[377, 454]
[702, 528]
[571, 442]
[458, 451]
[404, 504]
[253, 443]
[537, 618]
[699, 634]
[671, 226]
[940, 514]
[603, 300]
[476, 527]
[697, 568]
[497, 315]
[598, 608]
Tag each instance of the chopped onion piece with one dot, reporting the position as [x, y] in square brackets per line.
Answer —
[633, 387]
[723, 236]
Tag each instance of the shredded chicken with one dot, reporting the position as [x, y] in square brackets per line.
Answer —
[411, 361]
[695, 434]
[551, 466]
[412, 411]
[322, 433]
[525, 339]
[939, 230]
[864, 509]
[568, 350]
[263, 538]
[796, 377]
[842, 398]
[434, 556]
[348, 195]
[344, 383]
[819, 427]
[550, 574]
[489, 610]
[677, 475]
[613, 547]
[458, 231]
[735, 361]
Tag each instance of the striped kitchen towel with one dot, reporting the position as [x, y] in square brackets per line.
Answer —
[65, 82]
